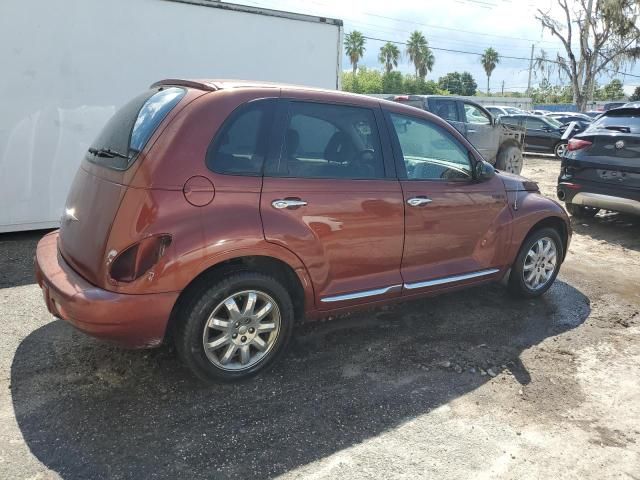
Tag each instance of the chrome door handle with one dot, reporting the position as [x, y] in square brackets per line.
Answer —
[418, 201]
[288, 203]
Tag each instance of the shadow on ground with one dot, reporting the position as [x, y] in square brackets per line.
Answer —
[87, 410]
[610, 227]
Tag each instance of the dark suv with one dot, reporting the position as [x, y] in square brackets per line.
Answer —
[501, 145]
[215, 214]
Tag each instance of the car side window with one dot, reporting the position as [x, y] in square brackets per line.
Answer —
[330, 141]
[534, 124]
[429, 152]
[475, 115]
[239, 147]
[446, 109]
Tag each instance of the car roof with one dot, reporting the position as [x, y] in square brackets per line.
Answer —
[632, 110]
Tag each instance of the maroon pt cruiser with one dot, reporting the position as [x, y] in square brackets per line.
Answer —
[215, 214]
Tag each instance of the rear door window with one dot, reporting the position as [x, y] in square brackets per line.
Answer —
[446, 109]
[128, 131]
[330, 141]
[239, 148]
[475, 115]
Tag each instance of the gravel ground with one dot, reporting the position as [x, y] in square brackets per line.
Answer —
[467, 385]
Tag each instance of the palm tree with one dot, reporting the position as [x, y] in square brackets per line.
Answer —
[354, 47]
[389, 55]
[428, 60]
[489, 60]
[417, 46]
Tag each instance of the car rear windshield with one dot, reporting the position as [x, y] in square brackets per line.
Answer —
[628, 122]
[129, 130]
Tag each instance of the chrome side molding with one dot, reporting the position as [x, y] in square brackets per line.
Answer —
[363, 294]
[452, 279]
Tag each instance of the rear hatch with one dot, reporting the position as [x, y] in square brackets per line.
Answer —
[608, 152]
[101, 181]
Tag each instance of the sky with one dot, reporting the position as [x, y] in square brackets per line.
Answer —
[509, 26]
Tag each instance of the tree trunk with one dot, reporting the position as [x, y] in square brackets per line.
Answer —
[355, 67]
[488, 77]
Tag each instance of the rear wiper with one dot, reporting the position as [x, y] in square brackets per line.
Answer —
[106, 152]
[620, 129]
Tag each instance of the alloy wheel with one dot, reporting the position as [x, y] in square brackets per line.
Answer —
[241, 330]
[540, 263]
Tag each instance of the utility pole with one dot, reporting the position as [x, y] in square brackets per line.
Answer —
[503, 88]
[530, 71]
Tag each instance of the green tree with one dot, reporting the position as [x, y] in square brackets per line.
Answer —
[489, 60]
[605, 36]
[613, 90]
[354, 48]
[392, 82]
[420, 54]
[635, 96]
[363, 81]
[458, 83]
[389, 56]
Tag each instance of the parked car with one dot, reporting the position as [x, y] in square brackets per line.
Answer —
[580, 120]
[215, 214]
[632, 104]
[539, 112]
[543, 134]
[601, 168]
[612, 105]
[497, 110]
[593, 113]
[500, 145]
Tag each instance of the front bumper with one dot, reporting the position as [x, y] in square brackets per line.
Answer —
[599, 196]
[132, 321]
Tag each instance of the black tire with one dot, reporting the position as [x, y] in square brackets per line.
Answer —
[581, 211]
[201, 303]
[517, 284]
[510, 160]
[559, 149]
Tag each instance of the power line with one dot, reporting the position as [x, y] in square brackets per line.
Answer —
[451, 50]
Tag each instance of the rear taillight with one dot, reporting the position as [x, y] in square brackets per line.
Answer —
[578, 144]
[136, 260]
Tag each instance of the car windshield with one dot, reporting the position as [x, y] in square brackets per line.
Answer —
[628, 122]
[554, 122]
[129, 130]
[512, 110]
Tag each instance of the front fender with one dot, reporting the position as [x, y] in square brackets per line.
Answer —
[532, 209]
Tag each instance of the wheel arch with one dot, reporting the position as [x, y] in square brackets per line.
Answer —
[557, 223]
[293, 277]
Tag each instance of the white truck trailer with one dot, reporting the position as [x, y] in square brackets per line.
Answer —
[68, 65]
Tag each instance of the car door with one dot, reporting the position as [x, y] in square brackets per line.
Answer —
[447, 109]
[538, 135]
[328, 197]
[455, 227]
[479, 130]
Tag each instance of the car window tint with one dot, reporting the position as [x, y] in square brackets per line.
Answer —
[429, 152]
[627, 121]
[475, 115]
[510, 121]
[534, 123]
[446, 109]
[330, 141]
[240, 145]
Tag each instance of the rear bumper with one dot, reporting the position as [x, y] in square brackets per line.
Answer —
[600, 196]
[132, 321]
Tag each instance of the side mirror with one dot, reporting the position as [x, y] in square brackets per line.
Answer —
[484, 171]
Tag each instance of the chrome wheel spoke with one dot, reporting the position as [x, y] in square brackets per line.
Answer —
[217, 343]
[264, 311]
[228, 354]
[540, 263]
[232, 308]
[266, 327]
[244, 354]
[250, 305]
[218, 324]
[260, 343]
